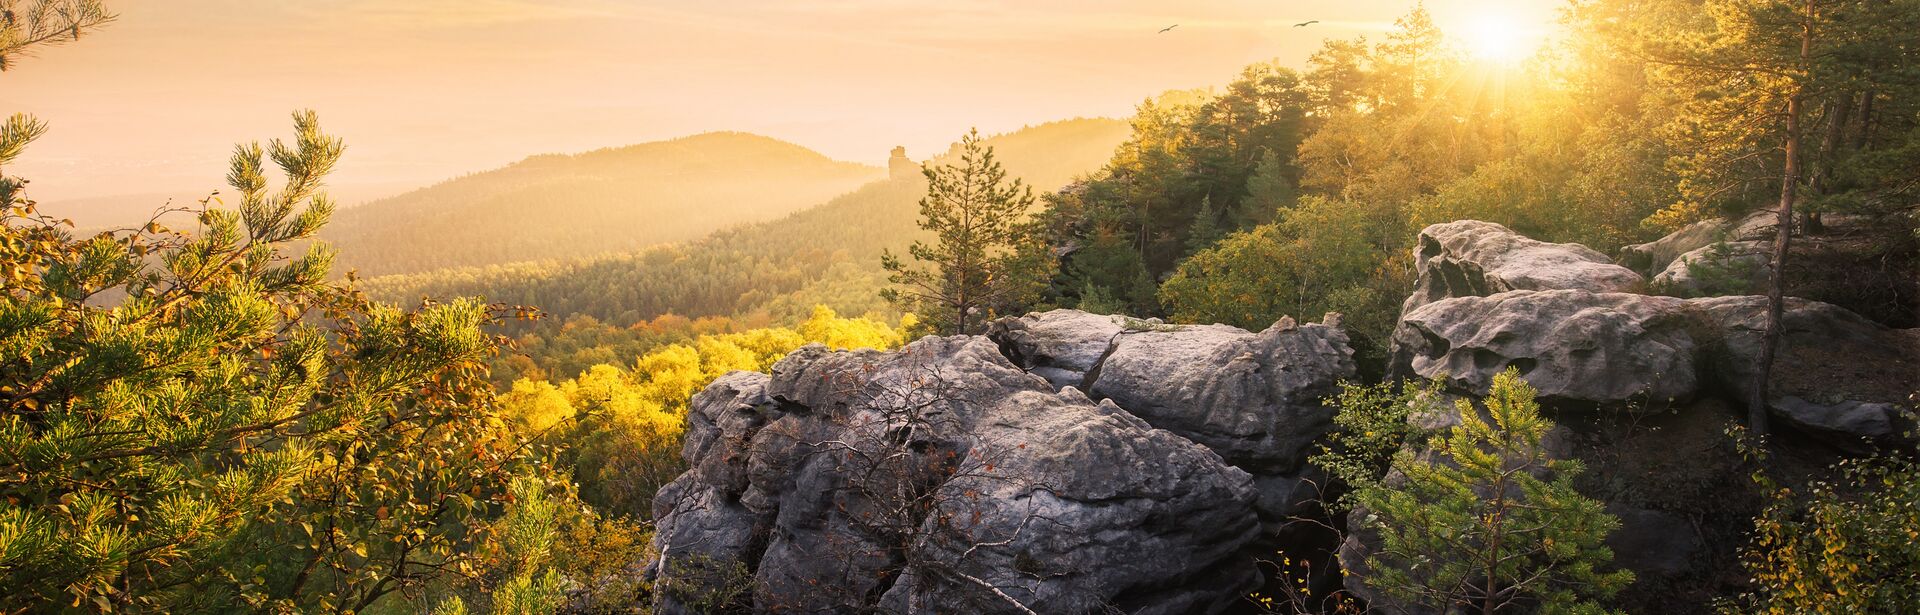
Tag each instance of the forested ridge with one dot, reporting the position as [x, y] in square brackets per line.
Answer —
[773, 272]
[738, 270]
[613, 200]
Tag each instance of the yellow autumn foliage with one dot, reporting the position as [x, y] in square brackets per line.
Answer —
[620, 427]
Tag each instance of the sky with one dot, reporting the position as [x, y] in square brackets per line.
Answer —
[427, 90]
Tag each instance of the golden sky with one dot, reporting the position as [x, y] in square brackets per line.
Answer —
[424, 90]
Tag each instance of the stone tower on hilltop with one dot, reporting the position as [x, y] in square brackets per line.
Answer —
[900, 167]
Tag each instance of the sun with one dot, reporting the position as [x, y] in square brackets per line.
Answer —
[1499, 39]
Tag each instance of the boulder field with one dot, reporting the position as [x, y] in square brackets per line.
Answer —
[1068, 462]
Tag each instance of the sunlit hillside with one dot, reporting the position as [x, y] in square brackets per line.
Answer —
[567, 206]
[828, 253]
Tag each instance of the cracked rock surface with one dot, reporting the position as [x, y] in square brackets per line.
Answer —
[1470, 258]
[942, 478]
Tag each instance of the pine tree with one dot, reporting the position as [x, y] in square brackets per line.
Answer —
[1205, 229]
[25, 26]
[986, 258]
[1488, 522]
[194, 421]
[1754, 81]
[1269, 190]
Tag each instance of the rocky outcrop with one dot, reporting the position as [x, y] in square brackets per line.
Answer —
[1837, 376]
[1654, 256]
[1851, 425]
[1256, 399]
[1645, 352]
[1470, 258]
[1736, 267]
[900, 167]
[942, 478]
[1617, 349]
[1073, 462]
[1061, 345]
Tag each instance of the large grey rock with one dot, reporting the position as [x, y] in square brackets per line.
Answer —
[1470, 258]
[1616, 349]
[1850, 425]
[941, 478]
[1253, 398]
[1756, 225]
[1060, 345]
[701, 521]
[1836, 375]
[1741, 267]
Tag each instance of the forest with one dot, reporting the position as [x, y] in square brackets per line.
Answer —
[496, 394]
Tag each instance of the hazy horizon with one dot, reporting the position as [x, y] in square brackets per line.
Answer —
[429, 90]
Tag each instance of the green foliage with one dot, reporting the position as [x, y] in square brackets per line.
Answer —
[1721, 272]
[705, 585]
[1197, 166]
[1095, 300]
[1846, 547]
[986, 259]
[1487, 521]
[1205, 228]
[1734, 67]
[234, 430]
[526, 535]
[1241, 282]
[1371, 426]
[1318, 257]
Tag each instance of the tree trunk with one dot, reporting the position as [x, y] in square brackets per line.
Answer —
[1783, 236]
[1835, 112]
[1865, 137]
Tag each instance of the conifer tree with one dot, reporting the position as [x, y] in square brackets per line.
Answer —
[26, 25]
[1205, 229]
[195, 421]
[1488, 522]
[986, 258]
[1756, 81]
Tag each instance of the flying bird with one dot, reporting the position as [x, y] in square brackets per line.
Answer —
[1164, 30]
[1306, 23]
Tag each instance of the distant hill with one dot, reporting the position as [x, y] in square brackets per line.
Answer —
[605, 201]
[829, 253]
[132, 210]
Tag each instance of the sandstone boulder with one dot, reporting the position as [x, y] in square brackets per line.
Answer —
[1060, 345]
[1731, 267]
[1256, 399]
[941, 478]
[1470, 258]
[1850, 425]
[1836, 375]
[1614, 349]
[1654, 256]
